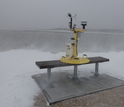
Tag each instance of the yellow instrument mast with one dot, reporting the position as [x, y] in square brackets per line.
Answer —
[74, 59]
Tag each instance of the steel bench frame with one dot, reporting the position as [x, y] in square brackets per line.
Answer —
[57, 63]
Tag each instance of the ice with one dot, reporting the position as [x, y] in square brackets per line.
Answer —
[17, 88]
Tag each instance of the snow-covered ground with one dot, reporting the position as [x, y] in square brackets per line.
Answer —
[17, 88]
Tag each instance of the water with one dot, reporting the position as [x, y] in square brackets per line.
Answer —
[55, 41]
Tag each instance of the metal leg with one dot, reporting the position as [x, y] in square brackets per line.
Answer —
[75, 71]
[50, 85]
[97, 69]
[75, 74]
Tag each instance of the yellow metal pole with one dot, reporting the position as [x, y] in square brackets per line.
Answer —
[76, 31]
[75, 53]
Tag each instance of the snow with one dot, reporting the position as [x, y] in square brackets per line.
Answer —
[17, 88]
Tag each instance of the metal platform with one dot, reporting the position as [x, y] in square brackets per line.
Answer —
[66, 88]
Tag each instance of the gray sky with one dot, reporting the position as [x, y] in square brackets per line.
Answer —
[42, 14]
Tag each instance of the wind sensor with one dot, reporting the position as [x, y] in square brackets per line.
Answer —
[71, 48]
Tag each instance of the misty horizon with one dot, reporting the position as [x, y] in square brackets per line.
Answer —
[43, 14]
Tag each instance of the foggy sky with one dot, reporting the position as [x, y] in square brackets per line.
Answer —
[43, 14]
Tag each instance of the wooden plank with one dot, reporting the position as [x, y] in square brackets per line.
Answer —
[58, 63]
